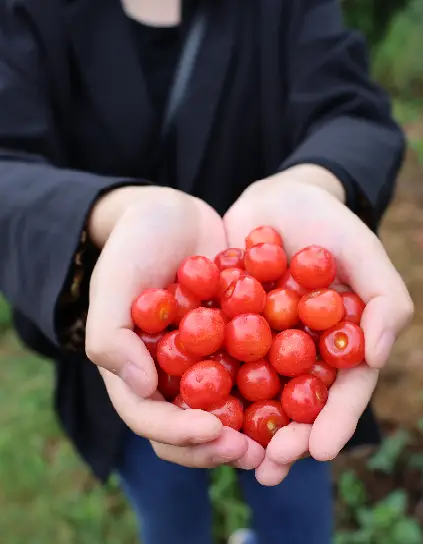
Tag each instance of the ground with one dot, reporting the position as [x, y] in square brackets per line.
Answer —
[46, 495]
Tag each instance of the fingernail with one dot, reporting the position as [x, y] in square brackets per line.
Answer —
[136, 379]
[384, 347]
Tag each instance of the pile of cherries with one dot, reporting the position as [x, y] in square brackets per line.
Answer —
[250, 339]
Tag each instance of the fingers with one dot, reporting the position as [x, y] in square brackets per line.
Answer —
[366, 267]
[289, 444]
[336, 423]
[228, 447]
[252, 458]
[270, 473]
[143, 251]
[158, 420]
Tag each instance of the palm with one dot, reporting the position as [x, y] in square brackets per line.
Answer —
[308, 215]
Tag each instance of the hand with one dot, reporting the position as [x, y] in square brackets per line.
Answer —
[144, 233]
[305, 205]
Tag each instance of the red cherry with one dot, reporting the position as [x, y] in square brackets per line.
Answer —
[321, 309]
[172, 357]
[179, 401]
[248, 337]
[236, 393]
[281, 309]
[230, 258]
[243, 296]
[314, 267]
[230, 412]
[257, 380]
[353, 307]
[232, 365]
[186, 301]
[151, 340]
[342, 346]
[202, 331]
[303, 398]
[210, 304]
[265, 262]
[288, 282]
[168, 385]
[263, 235]
[269, 286]
[154, 310]
[205, 384]
[263, 419]
[200, 276]
[292, 353]
[324, 372]
[314, 335]
[228, 276]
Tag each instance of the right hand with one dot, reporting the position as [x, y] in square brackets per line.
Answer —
[144, 233]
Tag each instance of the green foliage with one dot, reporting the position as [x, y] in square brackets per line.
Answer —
[390, 451]
[230, 511]
[5, 316]
[385, 521]
[398, 62]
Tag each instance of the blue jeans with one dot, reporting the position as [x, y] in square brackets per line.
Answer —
[172, 503]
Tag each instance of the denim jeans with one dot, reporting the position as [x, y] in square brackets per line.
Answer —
[172, 503]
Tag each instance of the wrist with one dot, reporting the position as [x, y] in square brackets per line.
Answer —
[311, 174]
[110, 207]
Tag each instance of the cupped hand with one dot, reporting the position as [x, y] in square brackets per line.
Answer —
[144, 233]
[305, 205]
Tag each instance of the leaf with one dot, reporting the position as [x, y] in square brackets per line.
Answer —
[389, 453]
[407, 531]
[351, 490]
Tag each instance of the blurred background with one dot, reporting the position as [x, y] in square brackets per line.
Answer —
[46, 494]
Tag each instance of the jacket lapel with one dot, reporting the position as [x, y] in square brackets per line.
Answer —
[109, 66]
[194, 121]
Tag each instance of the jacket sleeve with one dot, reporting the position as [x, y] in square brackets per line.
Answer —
[43, 207]
[341, 120]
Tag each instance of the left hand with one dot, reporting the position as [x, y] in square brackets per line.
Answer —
[305, 204]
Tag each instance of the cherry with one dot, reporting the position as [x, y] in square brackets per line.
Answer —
[326, 373]
[236, 393]
[313, 267]
[269, 286]
[232, 365]
[342, 346]
[288, 282]
[265, 262]
[186, 301]
[154, 310]
[172, 357]
[205, 384]
[257, 380]
[210, 304]
[230, 258]
[151, 340]
[303, 398]
[168, 385]
[281, 309]
[230, 412]
[263, 235]
[228, 276]
[353, 307]
[200, 276]
[321, 309]
[245, 295]
[263, 419]
[179, 401]
[248, 337]
[314, 335]
[292, 353]
[202, 331]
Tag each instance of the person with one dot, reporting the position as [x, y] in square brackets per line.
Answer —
[136, 133]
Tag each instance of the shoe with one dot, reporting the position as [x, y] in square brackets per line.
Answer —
[243, 536]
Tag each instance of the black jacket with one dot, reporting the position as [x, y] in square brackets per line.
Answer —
[277, 83]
